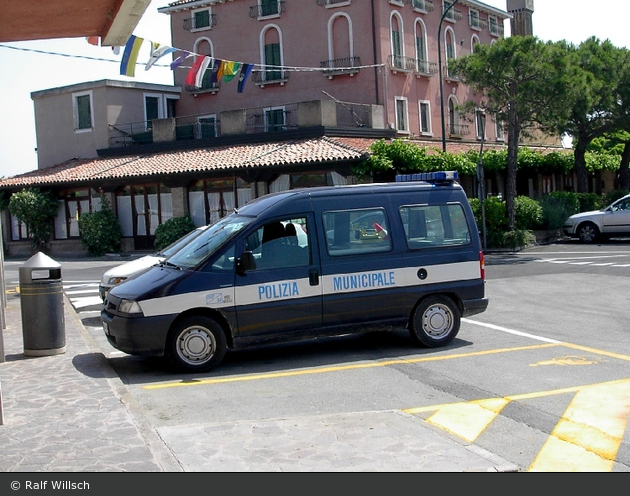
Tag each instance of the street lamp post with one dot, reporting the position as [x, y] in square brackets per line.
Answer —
[446, 11]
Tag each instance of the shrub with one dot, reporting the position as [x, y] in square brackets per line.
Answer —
[171, 230]
[613, 196]
[590, 201]
[37, 210]
[556, 207]
[528, 213]
[100, 231]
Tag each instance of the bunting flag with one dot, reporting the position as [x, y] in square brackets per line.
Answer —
[191, 78]
[202, 70]
[230, 69]
[178, 61]
[214, 76]
[94, 40]
[158, 51]
[242, 77]
[130, 56]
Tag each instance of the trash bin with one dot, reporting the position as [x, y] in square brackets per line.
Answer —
[41, 300]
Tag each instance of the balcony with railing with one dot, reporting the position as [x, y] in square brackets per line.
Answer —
[267, 9]
[330, 3]
[453, 15]
[338, 67]
[200, 22]
[400, 63]
[426, 68]
[423, 5]
[458, 131]
[269, 76]
[241, 123]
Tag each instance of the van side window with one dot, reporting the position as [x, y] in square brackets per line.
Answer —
[279, 244]
[349, 232]
[435, 225]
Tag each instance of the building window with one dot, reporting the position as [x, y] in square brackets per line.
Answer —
[401, 115]
[202, 19]
[210, 200]
[500, 128]
[422, 65]
[451, 13]
[83, 119]
[268, 8]
[396, 41]
[480, 123]
[72, 206]
[473, 19]
[275, 119]
[493, 25]
[157, 106]
[207, 126]
[425, 117]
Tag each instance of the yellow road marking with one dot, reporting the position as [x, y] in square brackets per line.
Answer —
[589, 433]
[323, 370]
[468, 420]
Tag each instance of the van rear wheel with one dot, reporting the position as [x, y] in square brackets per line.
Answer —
[435, 321]
[196, 344]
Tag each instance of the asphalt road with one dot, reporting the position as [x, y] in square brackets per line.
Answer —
[542, 378]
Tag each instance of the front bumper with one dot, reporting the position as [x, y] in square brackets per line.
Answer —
[137, 336]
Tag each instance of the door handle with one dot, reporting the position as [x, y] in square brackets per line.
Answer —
[313, 277]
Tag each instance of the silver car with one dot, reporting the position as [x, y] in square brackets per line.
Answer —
[118, 274]
[589, 227]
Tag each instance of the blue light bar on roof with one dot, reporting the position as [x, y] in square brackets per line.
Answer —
[429, 177]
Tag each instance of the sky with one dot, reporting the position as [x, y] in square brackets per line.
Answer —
[44, 64]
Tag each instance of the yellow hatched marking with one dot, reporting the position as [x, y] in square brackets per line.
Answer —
[590, 432]
[468, 420]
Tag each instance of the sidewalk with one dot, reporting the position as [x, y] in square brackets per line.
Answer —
[71, 413]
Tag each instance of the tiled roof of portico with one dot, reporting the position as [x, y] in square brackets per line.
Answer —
[320, 150]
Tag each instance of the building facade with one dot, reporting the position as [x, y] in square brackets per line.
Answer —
[328, 78]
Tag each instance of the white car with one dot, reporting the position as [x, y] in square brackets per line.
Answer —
[118, 274]
[614, 220]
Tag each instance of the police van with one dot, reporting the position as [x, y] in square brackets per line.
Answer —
[309, 263]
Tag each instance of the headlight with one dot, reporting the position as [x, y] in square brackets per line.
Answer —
[115, 280]
[129, 306]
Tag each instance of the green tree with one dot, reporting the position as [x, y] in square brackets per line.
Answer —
[37, 210]
[617, 143]
[601, 99]
[523, 82]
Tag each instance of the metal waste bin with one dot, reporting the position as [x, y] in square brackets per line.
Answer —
[41, 300]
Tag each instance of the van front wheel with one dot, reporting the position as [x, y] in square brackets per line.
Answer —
[435, 321]
[196, 344]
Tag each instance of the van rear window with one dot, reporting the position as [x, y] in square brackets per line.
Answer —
[428, 226]
[350, 232]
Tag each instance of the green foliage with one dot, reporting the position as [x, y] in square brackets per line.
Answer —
[613, 196]
[37, 210]
[171, 230]
[590, 201]
[100, 231]
[528, 213]
[556, 207]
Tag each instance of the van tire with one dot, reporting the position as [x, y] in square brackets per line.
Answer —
[196, 344]
[435, 321]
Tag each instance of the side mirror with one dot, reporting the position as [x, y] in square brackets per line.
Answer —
[246, 262]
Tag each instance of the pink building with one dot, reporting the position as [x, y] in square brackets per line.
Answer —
[378, 57]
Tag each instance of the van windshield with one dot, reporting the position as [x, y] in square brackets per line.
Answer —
[208, 242]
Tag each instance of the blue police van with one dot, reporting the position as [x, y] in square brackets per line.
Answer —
[308, 263]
